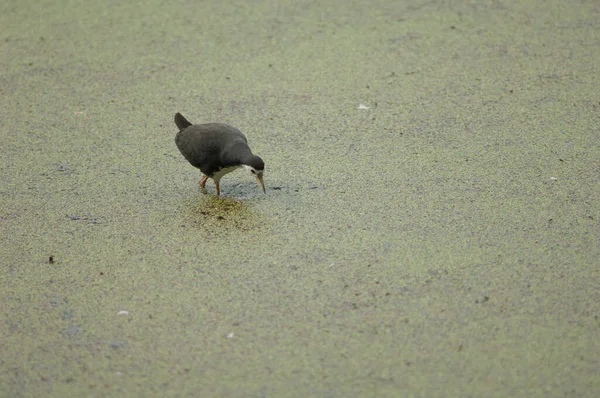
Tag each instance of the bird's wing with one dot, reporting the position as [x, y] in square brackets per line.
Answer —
[230, 131]
[212, 146]
[190, 143]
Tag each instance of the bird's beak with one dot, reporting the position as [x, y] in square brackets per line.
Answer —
[261, 182]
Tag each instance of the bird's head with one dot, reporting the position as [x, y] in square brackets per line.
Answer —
[256, 167]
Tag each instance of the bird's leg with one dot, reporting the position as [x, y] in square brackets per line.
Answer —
[218, 184]
[203, 182]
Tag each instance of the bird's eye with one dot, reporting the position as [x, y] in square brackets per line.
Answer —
[253, 172]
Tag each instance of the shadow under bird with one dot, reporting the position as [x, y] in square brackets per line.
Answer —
[216, 149]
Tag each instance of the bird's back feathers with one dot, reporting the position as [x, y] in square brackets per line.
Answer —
[211, 146]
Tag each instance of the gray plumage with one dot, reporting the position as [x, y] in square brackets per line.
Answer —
[213, 147]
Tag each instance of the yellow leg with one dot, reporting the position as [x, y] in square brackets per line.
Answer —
[203, 182]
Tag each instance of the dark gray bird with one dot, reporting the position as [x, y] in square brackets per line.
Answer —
[216, 149]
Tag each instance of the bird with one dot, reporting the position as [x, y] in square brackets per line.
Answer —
[216, 149]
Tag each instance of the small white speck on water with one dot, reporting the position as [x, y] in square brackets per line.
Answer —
[331, 265]
[123, 312]
[362, 106]
[230, 335]
[553, 178]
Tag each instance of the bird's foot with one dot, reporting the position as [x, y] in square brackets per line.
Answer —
[203, 182]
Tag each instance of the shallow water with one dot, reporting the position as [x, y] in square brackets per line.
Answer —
[442, 241]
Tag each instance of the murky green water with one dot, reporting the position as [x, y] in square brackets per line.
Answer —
[442, 239]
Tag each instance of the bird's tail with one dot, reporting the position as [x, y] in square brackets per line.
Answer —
[181, 122]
